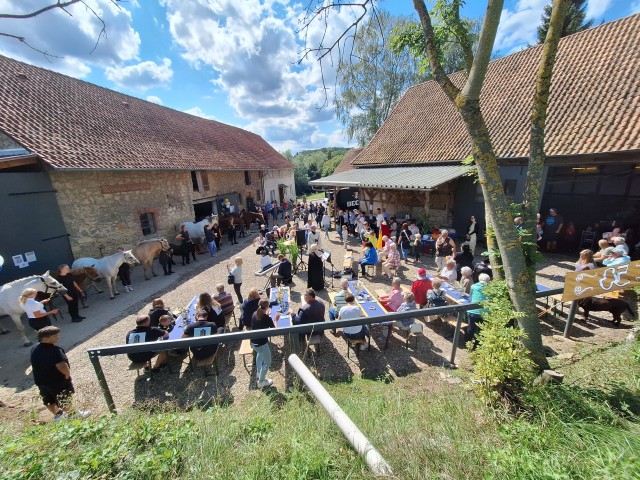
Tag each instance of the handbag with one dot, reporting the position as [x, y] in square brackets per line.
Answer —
[230, 279]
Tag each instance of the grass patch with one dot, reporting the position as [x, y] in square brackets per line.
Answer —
[587, 428]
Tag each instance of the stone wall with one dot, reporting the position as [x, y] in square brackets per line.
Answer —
[225, 182]
[101, 209]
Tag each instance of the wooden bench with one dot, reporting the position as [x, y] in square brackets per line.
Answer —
[314, 340]
[210, 361]
[355, 344]
[245, 349]
[347, 263]
[140, 366]
[453, 322]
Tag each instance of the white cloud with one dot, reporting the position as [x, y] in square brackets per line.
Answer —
[596, 8]
[517, 28]
[154, 99]
[198, 112]
[635, 7]
[253, 50]
[77, 46]
[142, 76]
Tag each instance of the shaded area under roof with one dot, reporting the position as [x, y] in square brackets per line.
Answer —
[395, 178]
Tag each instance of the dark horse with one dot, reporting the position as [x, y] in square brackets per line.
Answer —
[249, 217]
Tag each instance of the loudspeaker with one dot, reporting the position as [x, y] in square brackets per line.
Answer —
[301, 238]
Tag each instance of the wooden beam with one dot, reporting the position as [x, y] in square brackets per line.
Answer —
[12, 162]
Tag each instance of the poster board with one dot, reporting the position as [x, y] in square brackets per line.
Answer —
[601, 280]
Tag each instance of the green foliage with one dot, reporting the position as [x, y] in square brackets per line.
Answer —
[574, 20]
[313, 164]
[126, 447]
[501, 362]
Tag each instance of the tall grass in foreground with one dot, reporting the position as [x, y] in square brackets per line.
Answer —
[588, 429]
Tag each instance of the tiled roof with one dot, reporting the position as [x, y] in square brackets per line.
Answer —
[73, 124]
[594, 105]
[345, 164]
[396, 178]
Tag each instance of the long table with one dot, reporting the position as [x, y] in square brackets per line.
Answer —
[178, 329]
[371, 307]
[285, 318]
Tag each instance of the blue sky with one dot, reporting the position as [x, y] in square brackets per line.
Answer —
[234, 61]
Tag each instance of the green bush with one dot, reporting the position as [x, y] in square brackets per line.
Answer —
[500, 362]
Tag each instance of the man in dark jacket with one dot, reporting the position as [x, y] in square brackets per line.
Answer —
[283, 274]
[311, 312]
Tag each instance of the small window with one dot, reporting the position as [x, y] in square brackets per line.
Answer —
[258, 196]
[148, 223]
[204, 176]
[194, 181]
[247, 177]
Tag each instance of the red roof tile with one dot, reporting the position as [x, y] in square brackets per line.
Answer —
[594, 105]
[73, 124]
[345, 164]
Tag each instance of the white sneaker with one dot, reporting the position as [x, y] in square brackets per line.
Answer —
[267, 383]
[130, 288]
[82, 413]
[60, 416]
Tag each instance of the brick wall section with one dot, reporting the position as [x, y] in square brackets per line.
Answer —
[96, 220]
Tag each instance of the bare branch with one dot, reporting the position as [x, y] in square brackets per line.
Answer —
[485, 47]
[58, 4]
[23, 40]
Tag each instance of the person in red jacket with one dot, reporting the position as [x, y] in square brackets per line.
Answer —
[420, 287]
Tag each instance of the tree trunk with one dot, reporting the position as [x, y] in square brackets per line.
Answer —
[519, 281]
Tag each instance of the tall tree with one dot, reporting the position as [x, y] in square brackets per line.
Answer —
[372, 78]
[519, 278]
[574, 20]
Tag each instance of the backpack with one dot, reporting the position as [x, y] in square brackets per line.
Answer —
[438, 300]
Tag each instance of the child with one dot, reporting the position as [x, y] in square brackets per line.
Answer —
[345, 235]
[417, 246]
[166, 323]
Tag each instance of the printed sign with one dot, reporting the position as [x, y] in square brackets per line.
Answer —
[18, 260]
[202, 332]
[601, 280]
[137, 338]
[30, 256]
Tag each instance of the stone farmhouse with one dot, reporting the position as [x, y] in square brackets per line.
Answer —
[84, 169]
[592, 173]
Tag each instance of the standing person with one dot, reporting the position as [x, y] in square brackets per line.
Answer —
[551, 229]
[215, 230]
[248, 308]
[72, 297]
[261, 320]
[52, 374]
[472, 234]
[445, 246]
[236, 271]
[124, 272]
[405, 241]
[151, 334]
[326, 223]
[38, 317]
[315, 277]
[187, 244]
[475, 315]
[211, 241]
[166, 261]
[231, 233]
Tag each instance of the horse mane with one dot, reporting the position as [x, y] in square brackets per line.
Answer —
[149, 240]
[31, 277]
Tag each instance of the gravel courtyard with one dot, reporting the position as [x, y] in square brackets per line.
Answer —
[108, 322]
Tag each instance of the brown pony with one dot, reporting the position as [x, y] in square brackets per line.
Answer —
[249, 217]
[146, 250]
[231, 219]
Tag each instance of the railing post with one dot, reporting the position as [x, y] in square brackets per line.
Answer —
[570, 317]
[456, 337]
[377, 464]
[102, 380]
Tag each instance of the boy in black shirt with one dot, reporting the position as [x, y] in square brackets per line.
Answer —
[151, 334]
[52, 373]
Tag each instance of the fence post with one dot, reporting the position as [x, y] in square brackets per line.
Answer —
[456, 337]
[377, 464]
[570, 317]
[102, 380]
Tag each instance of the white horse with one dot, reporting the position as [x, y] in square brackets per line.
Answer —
[196, 230]
[108, 267]
[10, 293]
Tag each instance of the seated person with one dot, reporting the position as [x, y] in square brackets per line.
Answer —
[603, 253]
[265, 260]
[482, 267]
[310, 312]
[213, 310]
[408, 304]
[370, 257]
[205, 351]
[263, 230]
[166, 323]
[585, 261]
[621, 241]
[420, 287]
[270, 241]
[339, 300]
[351, 310]
[449, 272]
[466, 281]
[393, 261]
[151, 334]
[260, 243]
[283, 273]
[384, 251]
[616, 257]
[464, 258]
[436, 296]
[224, 299]
[158, 309]
[392, 301]
[248, 308]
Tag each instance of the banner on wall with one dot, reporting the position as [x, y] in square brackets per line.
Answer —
[601, 280]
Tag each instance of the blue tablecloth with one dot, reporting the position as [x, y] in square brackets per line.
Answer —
[178, 330]
[372, 307]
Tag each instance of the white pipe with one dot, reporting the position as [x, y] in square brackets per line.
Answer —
[377, 464]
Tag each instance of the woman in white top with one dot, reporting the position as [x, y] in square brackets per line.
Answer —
[351, 310]
[326, 223]
[237, 277]
[38, 317]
